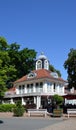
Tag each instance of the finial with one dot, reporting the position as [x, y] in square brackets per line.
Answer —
[42, 53]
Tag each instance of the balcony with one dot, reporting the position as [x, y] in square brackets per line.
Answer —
[13, 95]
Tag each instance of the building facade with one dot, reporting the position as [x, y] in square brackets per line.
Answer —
[38, 86]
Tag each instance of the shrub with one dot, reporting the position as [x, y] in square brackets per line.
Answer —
[19, 109]
[7, 107]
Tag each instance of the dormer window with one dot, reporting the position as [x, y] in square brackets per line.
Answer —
[31, 75]
[54, 74]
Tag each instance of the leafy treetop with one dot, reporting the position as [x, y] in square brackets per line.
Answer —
[70, 66]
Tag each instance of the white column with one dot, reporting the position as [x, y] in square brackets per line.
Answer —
[38, 102]
[66, 101]
[57, 88]
[45, 87]
[25, 88]
[63, 89]
[23, 102]
[52, 88]
[17, 90]
[35, 100]
[12, 102]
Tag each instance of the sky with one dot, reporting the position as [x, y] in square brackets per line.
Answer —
[47, 26]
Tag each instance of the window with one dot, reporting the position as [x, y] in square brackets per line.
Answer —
[46, 64]
[61, 88]
[41, 84]
[23, 88]
[39, 87]
[39, 64]
[49, 87]
[54, 87]
[36, 84]
[29, 88]
[20, 89]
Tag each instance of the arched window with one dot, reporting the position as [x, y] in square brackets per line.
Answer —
[39, 64]
[46, 65]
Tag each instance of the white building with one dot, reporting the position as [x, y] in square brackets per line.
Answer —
[38, 86]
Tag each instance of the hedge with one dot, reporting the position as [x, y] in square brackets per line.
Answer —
[7, 107]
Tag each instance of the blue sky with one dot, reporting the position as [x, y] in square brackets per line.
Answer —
[47, 26]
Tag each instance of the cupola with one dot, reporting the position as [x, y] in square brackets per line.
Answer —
[42, 62]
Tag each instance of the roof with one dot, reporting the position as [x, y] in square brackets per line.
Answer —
[42, 56]
[12, 89]
[39, 74]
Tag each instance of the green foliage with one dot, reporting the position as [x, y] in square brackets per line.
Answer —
[27, 60]
[19, 109]
[3, 44]
[14, 47]
[3, 77]
[58, 99]
[70, 66]
[6, 72]
[14, 63]
[7, 107]
[52, 68]
[22, 59]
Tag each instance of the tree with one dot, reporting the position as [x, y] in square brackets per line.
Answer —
[4, 58]
[58, 100]
[23, 60]
[3, 77]
[14, 62]
[27, 63]
[70, 66]
[3, 44]
[6, 69]
[11, 75]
